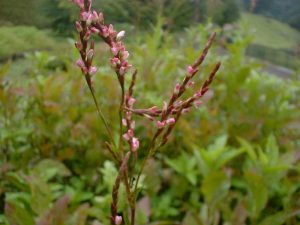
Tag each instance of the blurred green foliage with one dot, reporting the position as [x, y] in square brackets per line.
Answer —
[233, 161]
[20, 39]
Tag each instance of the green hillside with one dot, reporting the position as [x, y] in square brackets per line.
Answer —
[271, 33]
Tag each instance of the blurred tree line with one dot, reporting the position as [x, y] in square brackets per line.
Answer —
[287, 11]
[60, 14]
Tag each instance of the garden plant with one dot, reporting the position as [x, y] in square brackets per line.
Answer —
[92, 23]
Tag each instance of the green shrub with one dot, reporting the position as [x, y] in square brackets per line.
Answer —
[20, 39]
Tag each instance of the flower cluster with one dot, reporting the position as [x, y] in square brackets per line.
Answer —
[92, 23]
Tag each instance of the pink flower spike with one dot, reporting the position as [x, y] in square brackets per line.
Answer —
[93, 70]
[124, 122]
[118, 220]
[135, 144]
[160, 124]
[170, 121]
[190, 70]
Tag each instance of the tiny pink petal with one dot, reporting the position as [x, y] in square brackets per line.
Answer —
[135, 144]
[190, 70]
[170, 121]
[93, 70]
[118, 220]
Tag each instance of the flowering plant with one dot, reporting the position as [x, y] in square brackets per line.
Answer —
[92, 23]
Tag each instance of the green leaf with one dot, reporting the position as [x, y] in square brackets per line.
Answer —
[48, 168]
[248, 148]
[17, 181]
[257, 194]
[215, 187]
[17, 214]
[41, 195]
[272, 150]
[276, 219]
[186, 166]
[219, 143]
[57, 215]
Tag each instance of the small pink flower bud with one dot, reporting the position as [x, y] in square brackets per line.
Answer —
[112, 33]
[87, 35]
[80, 63]
[128, 114]
[124, 55]
[101, 17]
[120, 35]
[160, 124]
[127, 136]
[114, 51]
[135, 144]
[131, 101]
[132, 125]
[177, 89]
[84, 16]
[78, 45]
[105, 32]
[90, 55]
[190, 70]
[165, 107]
[124, 122]
[122, 70]
[185, 111]
[94, 30]
[198, 94]
[93, 70]
[118, 220]
[170, 121]
[95, 17]
[114, 62]
[153, 109]
[78, 26]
